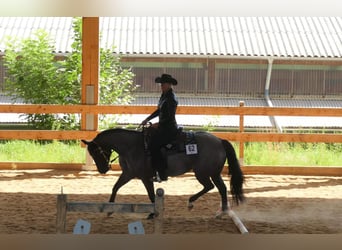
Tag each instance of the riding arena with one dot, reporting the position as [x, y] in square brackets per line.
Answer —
[51, 198]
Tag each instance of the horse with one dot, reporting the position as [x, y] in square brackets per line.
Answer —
[207, 164]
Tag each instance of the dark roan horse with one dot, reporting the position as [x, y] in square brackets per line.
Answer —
[207, 164]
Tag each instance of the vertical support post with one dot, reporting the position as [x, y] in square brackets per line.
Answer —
[159, 211]
[90, 69]
[90, 74]
[211, 74]
[61, 213]
[241, 130]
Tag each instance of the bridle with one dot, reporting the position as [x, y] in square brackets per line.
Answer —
[106, 155]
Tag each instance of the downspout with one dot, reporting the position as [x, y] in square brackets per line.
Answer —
[267, 95]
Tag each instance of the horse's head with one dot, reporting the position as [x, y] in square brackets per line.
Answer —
[100, 156]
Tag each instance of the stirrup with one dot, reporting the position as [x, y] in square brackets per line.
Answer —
[156, 178]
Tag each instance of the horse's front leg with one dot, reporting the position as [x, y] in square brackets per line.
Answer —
[148, 183]
[123, 179]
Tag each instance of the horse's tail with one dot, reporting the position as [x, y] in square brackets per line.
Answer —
[237, 178]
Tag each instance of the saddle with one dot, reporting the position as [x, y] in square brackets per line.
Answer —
[185, 142]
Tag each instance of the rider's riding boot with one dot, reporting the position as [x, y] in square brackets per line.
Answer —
[159, 164]
[162, 174]
[161, 170]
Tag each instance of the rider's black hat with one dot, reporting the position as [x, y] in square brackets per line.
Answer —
[165, 78]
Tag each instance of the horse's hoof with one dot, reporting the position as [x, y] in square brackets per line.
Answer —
[109, 214]
[218, 215]
[190, 206]
[221, 213]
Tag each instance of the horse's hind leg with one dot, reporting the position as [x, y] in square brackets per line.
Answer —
[207, 186]
[219, 183]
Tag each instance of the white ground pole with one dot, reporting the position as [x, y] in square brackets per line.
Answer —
[238, 223]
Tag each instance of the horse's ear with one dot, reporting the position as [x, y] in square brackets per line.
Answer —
[85, 142]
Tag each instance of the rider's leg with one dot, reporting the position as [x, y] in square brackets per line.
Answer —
[159, 164]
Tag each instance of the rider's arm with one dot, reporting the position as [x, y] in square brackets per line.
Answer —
[151, 116]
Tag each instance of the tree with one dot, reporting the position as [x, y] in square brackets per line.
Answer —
[37, 78]
[116, 84]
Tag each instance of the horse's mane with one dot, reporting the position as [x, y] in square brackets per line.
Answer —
[118, 130]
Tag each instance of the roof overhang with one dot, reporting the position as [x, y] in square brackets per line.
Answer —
[251, 57]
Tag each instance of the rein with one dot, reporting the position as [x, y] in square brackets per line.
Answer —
[105, 155]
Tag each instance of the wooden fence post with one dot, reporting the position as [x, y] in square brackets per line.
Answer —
[61, 213]
[159, 211]
[241, 129]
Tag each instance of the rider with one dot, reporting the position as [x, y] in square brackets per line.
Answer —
[166, 128]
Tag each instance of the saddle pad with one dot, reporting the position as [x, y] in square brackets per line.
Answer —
[190, 143]
[191, 149]
[185, 143]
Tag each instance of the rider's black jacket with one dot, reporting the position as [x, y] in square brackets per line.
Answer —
[167, 112]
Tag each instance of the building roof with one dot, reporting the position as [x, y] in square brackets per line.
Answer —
[288, 37]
